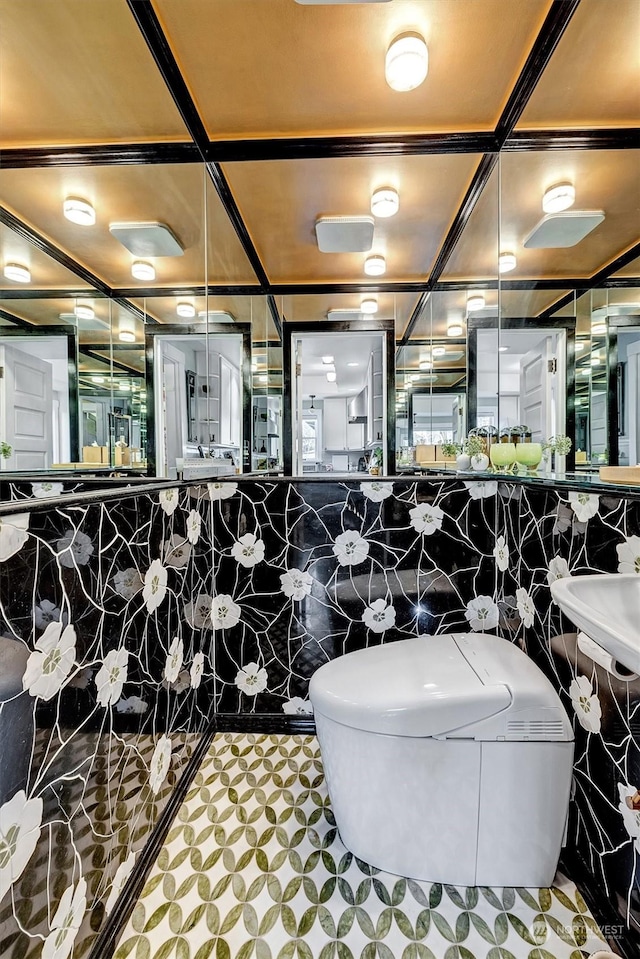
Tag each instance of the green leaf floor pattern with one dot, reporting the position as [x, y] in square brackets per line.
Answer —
[254, 866]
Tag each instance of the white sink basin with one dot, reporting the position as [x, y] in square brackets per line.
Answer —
[605, 606]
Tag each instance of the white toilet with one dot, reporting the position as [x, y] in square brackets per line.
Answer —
[448, 758]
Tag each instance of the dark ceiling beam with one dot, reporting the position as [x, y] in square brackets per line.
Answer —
[295, 289]
[151, 29]
[112, 154]
[16, 320]
[114, 364]
[31, 294]
[275, 314]
[154, 292]
[599, 278]
[535, 140]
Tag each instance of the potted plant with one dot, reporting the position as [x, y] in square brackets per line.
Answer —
[375, 461]
[5, 450]
[474, 447]
[559, 446]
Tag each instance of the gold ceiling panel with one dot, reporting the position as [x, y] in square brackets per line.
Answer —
[592, 78]
[164, 308]
[313, 308]
[528, 302]
[60, 311]
[277, 68]
[78, 72]
[172, 194]
[280, 201]
[46, 273]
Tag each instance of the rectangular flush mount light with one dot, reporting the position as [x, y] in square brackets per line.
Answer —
[147, 239]
[344, 234]
[556, 230]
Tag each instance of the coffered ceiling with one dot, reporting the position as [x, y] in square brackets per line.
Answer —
[239, 122]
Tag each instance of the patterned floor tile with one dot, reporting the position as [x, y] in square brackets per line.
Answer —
[254, 864]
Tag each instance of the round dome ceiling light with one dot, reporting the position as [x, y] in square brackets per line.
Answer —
[187, 310]
[17, 272]
[84, 312]
[375, 265]
[475, 302]
[127, 336]
[426, 365]
[438, 351]
[559, 197]
[331, 376]
[141, 270]
[454, 329]
[599, 329]
[506, 262]
[79, 211]
[385, 202]
[369, 306]
[407, 62]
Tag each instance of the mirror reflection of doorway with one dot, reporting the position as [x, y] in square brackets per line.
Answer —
[339, 398]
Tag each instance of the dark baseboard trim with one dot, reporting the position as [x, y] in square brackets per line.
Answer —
[620, 937]
[264, 724]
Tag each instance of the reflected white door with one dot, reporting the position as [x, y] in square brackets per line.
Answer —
[25, 410]
[633, 402]
[171, 409]
[535, 391]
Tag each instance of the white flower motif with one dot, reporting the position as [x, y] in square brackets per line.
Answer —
[155, 585]
[378, 616]
[501, 554]
[248, 550]
[180, 684]
[74, 549]
[51, 661]
[221, 490]
[526, 607]
[558, 569]
[177, 551]
[132, 705]
[482, 613]
[20, 821]
[122, 874]
[127, 582]
[586, 704]
[194, 522]
[160, 762]
[350, 548]
[112, 676]
[13, 534]
[376, 492]
[66, 922]
[198, 612]
[426, 518]
[197, 669]
[224, 612]
[297, 707]
[40, 490]
[481, 489]
[169, 499]
[629, 555]
[174, 661]
[251, 679]
[584, 505]
[45, 613]
[630, 815]
[296, 584]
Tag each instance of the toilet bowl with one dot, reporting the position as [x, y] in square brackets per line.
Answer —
[447, 758]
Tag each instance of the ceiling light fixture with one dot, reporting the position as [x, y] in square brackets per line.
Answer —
[187, 310]
[327, 360]
[502, 349]
[407, 62]
[454, 329]
[84, 312]
[475, 301]
[331, 376]
[375, 265]
[506, 262]
[599, 329]
[559, 197]
[426, 365]
[141, 270]
[369, 305]
[127, 336]
[17, 272]
[97, 379]
[385, 202]
[438, 351]
[79, 211]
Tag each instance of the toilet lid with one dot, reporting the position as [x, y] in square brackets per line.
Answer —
[414, 687]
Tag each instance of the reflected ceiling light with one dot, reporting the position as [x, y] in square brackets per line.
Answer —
[426, 365]
[84, 312]
[506, 262]
[375, 265]
[596, 361]
[186, 309]
[384, 202]
[559, 197]
[327, 360]
[142, 270]
[127, 336]
[263, 378]
[369, 305]
[438, 351]
[502, 349]
[125, 387]
[79, 211]
[331, 376]
[599, 329]
[407, 62]
[454, 329]
[97, 379]
[17, 272]
[475, 301]
[586, 372]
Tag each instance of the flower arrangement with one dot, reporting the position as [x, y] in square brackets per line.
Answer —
[473, 445]
[451, 449]
[560, 445]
